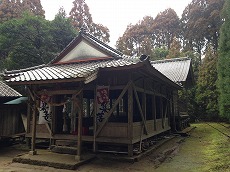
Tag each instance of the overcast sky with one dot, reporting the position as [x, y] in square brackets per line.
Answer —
[117, 14]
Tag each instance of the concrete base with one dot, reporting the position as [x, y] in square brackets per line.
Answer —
[48, 158]
[138, 157]
[33, 152]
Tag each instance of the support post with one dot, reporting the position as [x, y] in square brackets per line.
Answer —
[95, 121]
[29, 102]
[144, 104]
[79, 136]
[36, 104]
[154, 111]
[162, 111]
[130, 120]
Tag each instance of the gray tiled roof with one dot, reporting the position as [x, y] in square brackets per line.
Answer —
[176, 69]
[6, 91]
[66, 71]
[169, 70]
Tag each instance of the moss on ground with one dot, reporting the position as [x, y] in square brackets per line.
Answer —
[205, 150]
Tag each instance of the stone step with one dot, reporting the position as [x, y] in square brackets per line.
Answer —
[70, 143]
[64, 150]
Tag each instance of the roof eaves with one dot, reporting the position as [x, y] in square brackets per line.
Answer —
[11, 72]
[161, 75]
[107, 49]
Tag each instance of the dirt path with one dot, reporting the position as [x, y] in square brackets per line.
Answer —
[205, 150]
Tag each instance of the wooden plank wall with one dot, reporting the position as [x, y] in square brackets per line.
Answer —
[10, 120]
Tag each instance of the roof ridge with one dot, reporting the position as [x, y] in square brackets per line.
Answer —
[99, 41]
[172, 60]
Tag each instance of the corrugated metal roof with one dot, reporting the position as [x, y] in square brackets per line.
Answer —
[66, 71]
[6, 91]
[176, 69]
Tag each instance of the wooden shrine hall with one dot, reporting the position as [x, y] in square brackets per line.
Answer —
[92, 94]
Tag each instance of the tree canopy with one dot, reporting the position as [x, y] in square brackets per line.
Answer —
[10, 9]
[150, 33]
[32, 40]
[81, 17]
[224, 63]
[207, 94]
[201, 22]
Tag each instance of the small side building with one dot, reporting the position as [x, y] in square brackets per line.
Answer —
[11, 123]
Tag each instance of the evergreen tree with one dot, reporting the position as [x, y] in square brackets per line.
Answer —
[81, 17]
[207, 94]
[149, 33]
[26, 42]
[10, 9]
[33, 6]
[201, 23]
[175, 49]
[166, 26]
[159, 53]
[224, 64]
[62, 30]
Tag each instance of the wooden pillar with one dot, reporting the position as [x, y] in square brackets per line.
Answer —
[53, 119]
[88, 107]
[154, 111]
[175, 109]
[144, 104]
[80, 117]
[162, 111]
[29, 102]
[95, 120]
[130, 120]
[28, 114]
[34, 124]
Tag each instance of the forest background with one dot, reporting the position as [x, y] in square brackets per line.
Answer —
[202, 33]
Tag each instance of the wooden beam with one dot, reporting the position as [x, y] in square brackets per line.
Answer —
[54, 81]
[150, 92]
[58, 92]
[107, 115]
[31, 94]
[140, 109]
